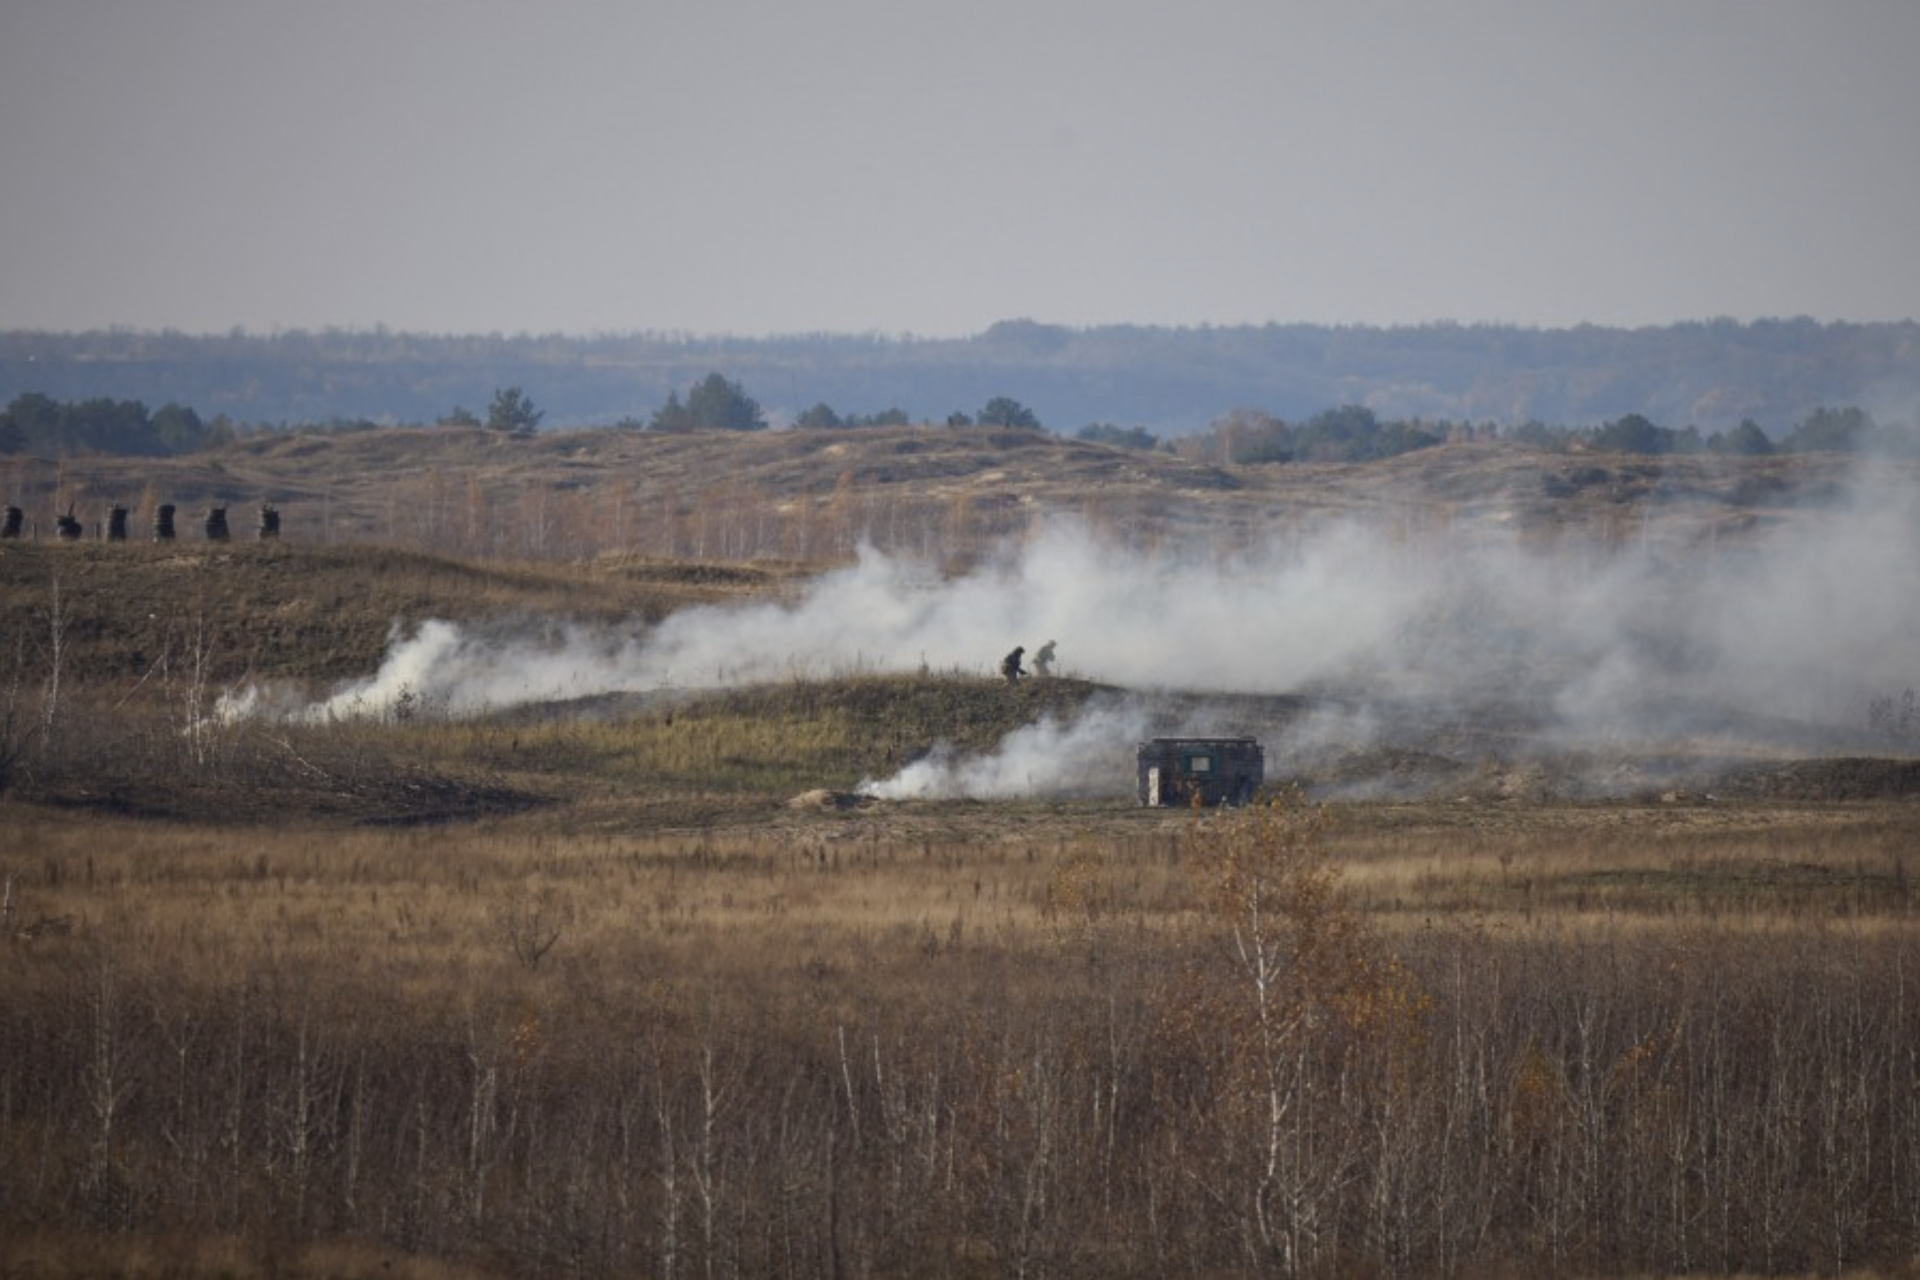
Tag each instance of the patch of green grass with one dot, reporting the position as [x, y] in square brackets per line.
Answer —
[771, 739]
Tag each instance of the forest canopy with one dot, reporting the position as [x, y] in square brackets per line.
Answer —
[1171, 381]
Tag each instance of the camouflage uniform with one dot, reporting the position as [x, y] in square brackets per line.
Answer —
[1010, 667]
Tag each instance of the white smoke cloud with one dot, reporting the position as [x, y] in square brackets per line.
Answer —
[1800, 627]
[452, 670]
[1795, 628]
[1089, 756]
[1157, 622]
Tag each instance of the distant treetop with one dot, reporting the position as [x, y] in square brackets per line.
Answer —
[511, 410]
[1004, 411]
[714, 404]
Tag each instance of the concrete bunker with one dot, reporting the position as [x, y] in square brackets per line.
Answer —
[1205, 771]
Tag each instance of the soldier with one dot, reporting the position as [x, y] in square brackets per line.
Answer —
[1010, 667]
[1043, 660]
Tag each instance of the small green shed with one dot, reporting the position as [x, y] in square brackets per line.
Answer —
[1207, 771]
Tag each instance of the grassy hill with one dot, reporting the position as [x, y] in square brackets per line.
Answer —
[394, 526]
[542, 989]
[304, 611]
[934, 492]
[385, 529]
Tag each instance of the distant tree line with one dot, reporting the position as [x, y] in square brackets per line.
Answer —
[1170, 380]
[34, 423]
[1843, 430]
[822, 417]
[716, 403]
[1353, 433]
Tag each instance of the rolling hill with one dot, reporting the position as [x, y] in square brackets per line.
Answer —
[935, 492]
[615, 531]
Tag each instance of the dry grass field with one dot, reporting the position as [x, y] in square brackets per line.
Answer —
[1067, 1040]
[637, 984]
[932, 492]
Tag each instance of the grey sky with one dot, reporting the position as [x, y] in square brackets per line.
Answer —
[903, 166]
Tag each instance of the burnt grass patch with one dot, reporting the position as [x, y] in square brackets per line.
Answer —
[900, 718]
[410, 797]
[249, 776]
[1844, 778]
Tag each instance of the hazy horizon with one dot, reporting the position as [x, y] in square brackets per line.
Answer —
[747, 168]
[670, 336]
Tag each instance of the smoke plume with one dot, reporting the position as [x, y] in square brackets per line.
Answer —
[1091, 755]
[1782, 635]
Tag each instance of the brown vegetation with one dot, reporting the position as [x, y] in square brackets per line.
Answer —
[937, 493]
[1294, 1040]
[306, 612]
[640, 1015]
[585, 990]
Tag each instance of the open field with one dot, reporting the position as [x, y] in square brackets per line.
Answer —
[1604, 1039]
[643, 979]
[626, 1028]
[936, 493]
